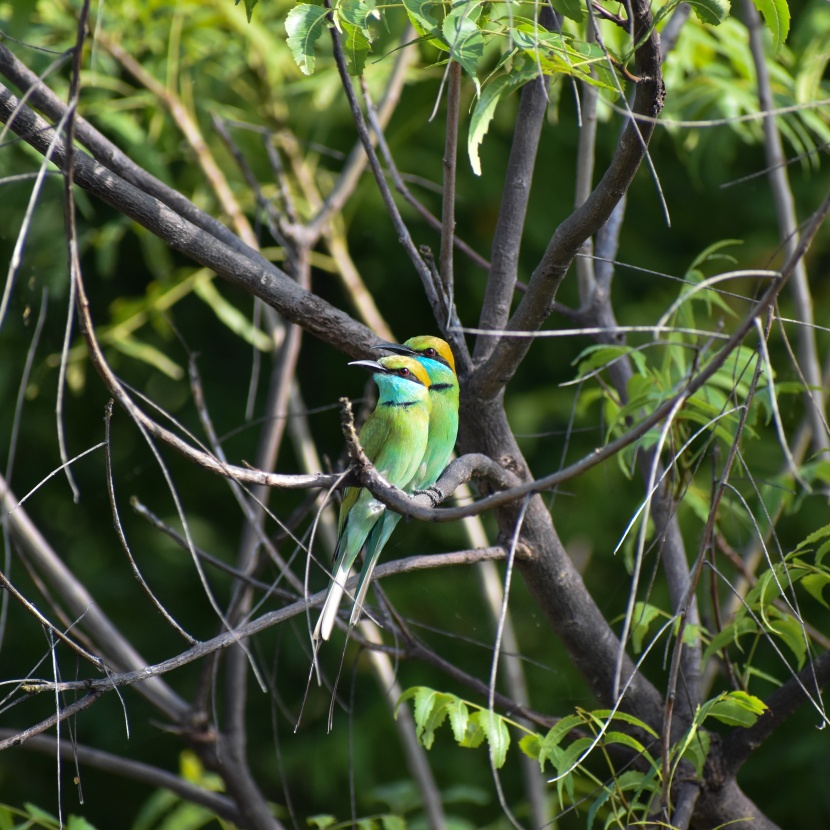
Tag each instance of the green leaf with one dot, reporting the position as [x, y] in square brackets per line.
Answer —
[465, 40]
[531, 745]
[249, 7]
[815, 584]
[135, 348]
[604, 795]
[600, 715]
[474, 736]
[353, 19]
[776, 15]
[459, 719]
[791, 632]
[485, 108]
[550, 750]
[36, 812]
[231, 316]
[743, 625]
[356, 46]
[736, 708]
[644, 614]
[430, 711]
[322, 821]
[572, 9]
[817, 535]
[697, 750]
[304, 25]
[497, 734]
[713, 12]
[568, 761]
[392, 822]
[420, 15]
[613, 736]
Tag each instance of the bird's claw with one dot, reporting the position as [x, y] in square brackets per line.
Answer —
[434, 493]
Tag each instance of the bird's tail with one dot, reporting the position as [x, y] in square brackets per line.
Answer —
[362, 588]
[325, 624]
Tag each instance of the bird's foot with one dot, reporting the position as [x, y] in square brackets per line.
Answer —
[434, 493]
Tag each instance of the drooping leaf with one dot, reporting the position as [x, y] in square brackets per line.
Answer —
[713, 12]
[573, 9]
[776, 14]
[550, 749]
[644, 614]
[465, 40]
[430, 711]
[304, 25]
[353, 20]
[356, 46]
[485, 108]
[791, 632]
[249, 7]
[815, 584]
[420, 15]
[497, 734]
[459, 719]
[604, 794]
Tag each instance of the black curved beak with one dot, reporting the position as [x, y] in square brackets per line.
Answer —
[369, 365]
[397, 348]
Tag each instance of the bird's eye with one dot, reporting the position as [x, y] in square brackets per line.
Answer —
[430, 352]
[403, 372]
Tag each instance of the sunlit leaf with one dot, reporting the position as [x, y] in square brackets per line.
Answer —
[711, 11]
[737, 708]
[459, 719]
[356, 46]
[485, 108]
[497, 734]
[573, 9]
[776, 15]
[304, 25]
[420, 15]
[465, 40]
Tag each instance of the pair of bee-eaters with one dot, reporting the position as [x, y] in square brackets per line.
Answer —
[409, 438]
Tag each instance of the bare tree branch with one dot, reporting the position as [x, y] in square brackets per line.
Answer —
[154, 777]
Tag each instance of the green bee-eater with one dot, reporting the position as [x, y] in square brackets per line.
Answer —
[436, 357]
[394, 439]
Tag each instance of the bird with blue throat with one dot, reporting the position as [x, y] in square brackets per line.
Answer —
[435, 355]
[394, 438]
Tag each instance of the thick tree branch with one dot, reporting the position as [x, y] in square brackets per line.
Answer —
[108, 154]
[244, 268]
[153, 777]
[537, 302]
[784, 201]
[507, 238]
